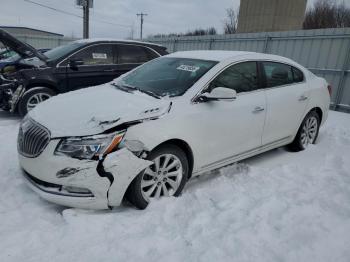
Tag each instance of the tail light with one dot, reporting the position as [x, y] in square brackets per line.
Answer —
[329, 87]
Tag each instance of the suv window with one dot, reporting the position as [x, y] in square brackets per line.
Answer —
[298, 76]
[277, 74]
[131, 54]
[95, 55]
[241, 77]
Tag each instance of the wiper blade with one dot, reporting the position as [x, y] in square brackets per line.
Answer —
[150, 93]
[121, 87]
[127, 88]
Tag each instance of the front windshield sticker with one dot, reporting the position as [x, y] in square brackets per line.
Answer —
[188, 68]
[99, 56]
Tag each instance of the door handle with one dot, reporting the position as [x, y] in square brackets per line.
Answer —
[108, 70]
[303, 98]
[258, 109]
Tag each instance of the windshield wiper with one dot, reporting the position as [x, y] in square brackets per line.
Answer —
[127, 88]
[122, 88]
[150, 93]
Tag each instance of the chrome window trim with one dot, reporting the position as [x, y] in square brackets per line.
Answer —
[107, 43]
[193, 100]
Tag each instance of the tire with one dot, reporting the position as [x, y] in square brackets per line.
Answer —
[38, 94]
[140, 191]
[307, 133]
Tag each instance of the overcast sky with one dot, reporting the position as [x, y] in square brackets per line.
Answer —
[164, 16]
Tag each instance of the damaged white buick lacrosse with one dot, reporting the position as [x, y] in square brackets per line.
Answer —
[145, 134]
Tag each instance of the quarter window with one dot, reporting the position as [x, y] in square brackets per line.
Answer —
[95, 55]
[242, 77]
[130, 54]
[298, 76]
[277, 74]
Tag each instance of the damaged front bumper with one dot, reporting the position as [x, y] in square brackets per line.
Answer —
[78, 183]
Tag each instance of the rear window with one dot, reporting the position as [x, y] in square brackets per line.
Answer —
[277, 74]
[298, 76]
[132, 54]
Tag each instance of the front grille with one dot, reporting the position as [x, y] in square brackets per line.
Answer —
[32, 138]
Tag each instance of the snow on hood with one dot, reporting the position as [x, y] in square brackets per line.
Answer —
[94, 110]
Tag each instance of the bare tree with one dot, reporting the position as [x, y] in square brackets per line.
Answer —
[327, 14]
[230, 23]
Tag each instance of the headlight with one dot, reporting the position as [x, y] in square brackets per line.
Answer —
[89, 146]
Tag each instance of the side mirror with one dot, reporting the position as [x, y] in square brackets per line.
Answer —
[75, 63]
[218, 93]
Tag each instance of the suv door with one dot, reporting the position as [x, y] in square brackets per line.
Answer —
[131, 56]
[287, 97]
[95, 65]
[231, 128]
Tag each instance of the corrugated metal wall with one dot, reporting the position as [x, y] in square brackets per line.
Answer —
[43, 41]
[326, 52]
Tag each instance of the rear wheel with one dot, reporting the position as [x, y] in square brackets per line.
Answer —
[166, 177]
[33, 97]
[307, 133]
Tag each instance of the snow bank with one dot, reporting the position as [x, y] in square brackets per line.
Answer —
[279, 206]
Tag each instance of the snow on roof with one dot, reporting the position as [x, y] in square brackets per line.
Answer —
[92, 40]
[220, 56]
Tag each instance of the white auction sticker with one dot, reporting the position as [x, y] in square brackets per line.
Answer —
[188, 68]
[99, 56]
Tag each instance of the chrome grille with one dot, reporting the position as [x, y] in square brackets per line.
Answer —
[32, 138]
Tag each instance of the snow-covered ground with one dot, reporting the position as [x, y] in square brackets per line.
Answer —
[279, 206]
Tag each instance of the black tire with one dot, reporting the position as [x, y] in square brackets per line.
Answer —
[134, 193]
[297, 145]
[28, 95]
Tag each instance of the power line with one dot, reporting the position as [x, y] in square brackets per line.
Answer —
[72, 14]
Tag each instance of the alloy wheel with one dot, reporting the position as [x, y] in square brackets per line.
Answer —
[309, 131]
[36, 99]
[163, 178]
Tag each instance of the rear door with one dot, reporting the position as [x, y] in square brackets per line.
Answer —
[98, 66]
[287, 96]
[130, 56]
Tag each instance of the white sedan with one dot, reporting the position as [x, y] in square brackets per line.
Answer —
[145, 134]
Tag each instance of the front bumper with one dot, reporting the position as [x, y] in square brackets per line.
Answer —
[49, 174]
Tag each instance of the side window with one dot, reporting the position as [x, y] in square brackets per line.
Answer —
[242, 77]
[277, 74]
[298, 76]
[95, 55]
[131, 54]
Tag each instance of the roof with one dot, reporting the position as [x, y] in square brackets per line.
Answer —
[93, 40]
[220, 56]
[31, 29]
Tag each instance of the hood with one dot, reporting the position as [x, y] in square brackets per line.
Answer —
[21, 48]
[96, 109]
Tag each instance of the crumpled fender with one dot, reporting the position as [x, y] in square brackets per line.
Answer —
[124, 166]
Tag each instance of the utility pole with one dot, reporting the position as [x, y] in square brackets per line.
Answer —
[86, 4]
[86, 7]
[141, 23]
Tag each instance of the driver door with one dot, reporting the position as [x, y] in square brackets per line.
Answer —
[229, 128]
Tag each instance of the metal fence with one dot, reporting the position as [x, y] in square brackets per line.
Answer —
[43, 41]
[326, 52]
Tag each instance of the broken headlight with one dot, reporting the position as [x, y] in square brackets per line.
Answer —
[90, 146]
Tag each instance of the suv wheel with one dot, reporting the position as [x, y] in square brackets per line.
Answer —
[307, 133]
[32, 98]
[166, 177]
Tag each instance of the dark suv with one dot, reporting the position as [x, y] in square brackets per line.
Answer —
[80, 64]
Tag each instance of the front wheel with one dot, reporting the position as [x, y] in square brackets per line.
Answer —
[307, 133]
[166, 177]
[33, 97]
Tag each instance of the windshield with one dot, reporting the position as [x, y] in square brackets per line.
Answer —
[167, 76]
[63, 50]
